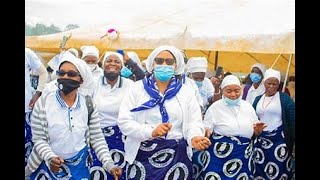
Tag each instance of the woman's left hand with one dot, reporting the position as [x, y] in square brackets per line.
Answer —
[258, 128]
[200, 143]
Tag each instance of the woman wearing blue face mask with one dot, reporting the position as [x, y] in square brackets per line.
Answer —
[257, 88]
[230, 124]
[161, 120]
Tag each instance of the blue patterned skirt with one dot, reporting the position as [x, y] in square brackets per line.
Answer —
[161, 159]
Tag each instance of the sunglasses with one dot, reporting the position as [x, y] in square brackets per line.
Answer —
[69, 73]
[169, 61]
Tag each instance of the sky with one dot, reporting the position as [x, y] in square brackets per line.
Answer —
[85, 12]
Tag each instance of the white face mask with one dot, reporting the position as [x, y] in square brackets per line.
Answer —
[92, 66]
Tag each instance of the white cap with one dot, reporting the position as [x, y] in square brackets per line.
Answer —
[197, 64]
[89, 50]
[230, 79]
[272, 73]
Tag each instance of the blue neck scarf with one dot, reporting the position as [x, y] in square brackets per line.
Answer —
[149, 85]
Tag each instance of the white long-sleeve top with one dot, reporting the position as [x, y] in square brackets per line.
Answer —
[108, 99]
[31, 62]
[58, 130]
[97, 73]
[183, 111]
[190, 82]
[253, 93]
[206, 91]
[231, 121]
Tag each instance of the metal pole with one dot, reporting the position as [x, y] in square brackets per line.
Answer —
[216, 60]
[288, 68]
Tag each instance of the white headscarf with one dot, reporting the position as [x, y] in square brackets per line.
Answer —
[197, 64]
[260, 66]
[230, 79]
[272, 73]
[74, 52]
[87, 86]
[176, 53]
[89, 50]
[134, 56]
[108, 53]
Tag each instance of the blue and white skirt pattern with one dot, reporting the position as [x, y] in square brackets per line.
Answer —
[165, 159]
[271, 156]
[75, 168]
[114, 139]
[226, 158]
[27, 137]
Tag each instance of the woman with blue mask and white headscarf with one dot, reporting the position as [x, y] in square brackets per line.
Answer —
[256, 76]
[109, 93]
[230, 124]
[161, 120]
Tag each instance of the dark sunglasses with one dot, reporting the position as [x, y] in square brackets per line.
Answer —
[69, 73]
[169, 61]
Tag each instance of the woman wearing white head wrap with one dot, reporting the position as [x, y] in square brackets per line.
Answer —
[88, 84]
[230, 123]
[61, 127]
[90, 54]
[163, 117]
[108, 95]
[275, 144]
[197, 68]
[257, 87]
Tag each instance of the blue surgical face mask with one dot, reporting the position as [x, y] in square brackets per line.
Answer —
[255, 77]
[231, 102]
[199, 83]
[163, 72]
[126, 72]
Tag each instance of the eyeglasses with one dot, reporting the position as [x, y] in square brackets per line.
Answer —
[169, 61]
[69, 73]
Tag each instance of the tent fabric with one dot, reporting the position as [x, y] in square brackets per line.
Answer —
[251, 29]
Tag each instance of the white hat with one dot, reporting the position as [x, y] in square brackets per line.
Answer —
[74, 51]
[197, 64]
[230, 79]
[260, 66]
[272, 73]
[89, 50]
[176, 53]
[109, 53]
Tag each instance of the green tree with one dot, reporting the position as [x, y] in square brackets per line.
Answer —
[71, 26]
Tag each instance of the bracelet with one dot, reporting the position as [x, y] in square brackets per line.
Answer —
[218, 93]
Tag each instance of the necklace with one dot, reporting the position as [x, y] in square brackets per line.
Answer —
[264, 107]
[264, 99]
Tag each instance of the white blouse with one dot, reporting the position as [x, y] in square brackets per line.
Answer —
[269, 111]
[231, 120]
[108, 99]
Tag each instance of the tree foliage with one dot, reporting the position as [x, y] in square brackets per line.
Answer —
[41, 29]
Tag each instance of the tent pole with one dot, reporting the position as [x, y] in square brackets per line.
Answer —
[216, 60]
[288, 68]
[275, 61]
